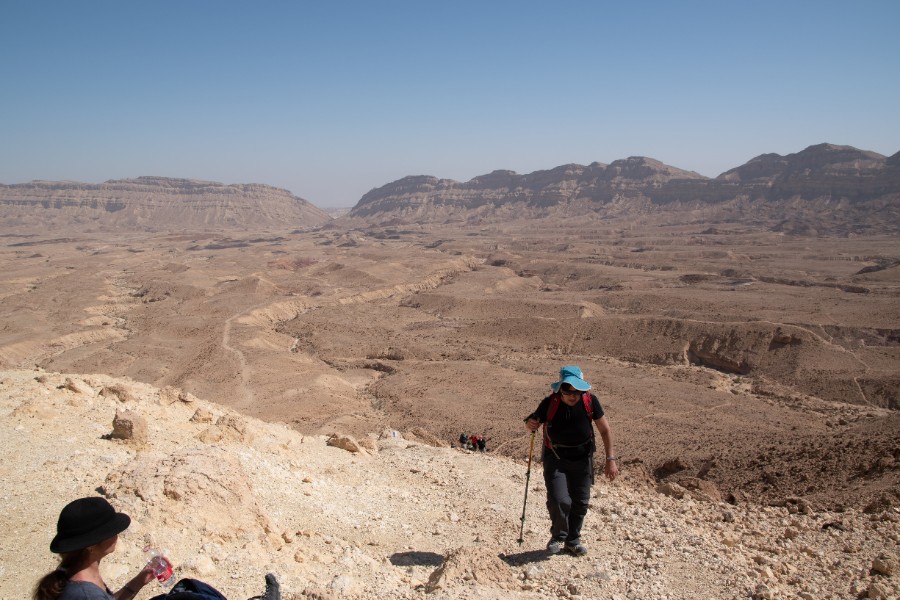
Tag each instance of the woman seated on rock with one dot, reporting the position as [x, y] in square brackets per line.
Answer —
[87, 530]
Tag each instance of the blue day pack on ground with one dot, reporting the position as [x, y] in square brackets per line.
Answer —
[191, 589]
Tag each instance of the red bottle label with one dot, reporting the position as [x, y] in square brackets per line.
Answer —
[162, 567]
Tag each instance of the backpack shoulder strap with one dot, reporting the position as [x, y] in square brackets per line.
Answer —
[588, 406]
[551, 412]
[554, 406]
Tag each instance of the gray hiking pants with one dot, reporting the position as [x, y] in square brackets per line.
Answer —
[568, 494]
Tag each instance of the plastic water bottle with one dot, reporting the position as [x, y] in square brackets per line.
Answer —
[161, 566]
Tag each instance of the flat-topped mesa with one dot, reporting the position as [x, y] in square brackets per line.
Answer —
[155, 204]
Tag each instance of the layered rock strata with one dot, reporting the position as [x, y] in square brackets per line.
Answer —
[154, 204]
[823, 188]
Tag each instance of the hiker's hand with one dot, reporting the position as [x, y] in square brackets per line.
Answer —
[146, 575]
[611, 470]
[137, 583]
[532, 424]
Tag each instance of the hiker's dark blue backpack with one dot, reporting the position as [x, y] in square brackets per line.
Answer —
[191, 589]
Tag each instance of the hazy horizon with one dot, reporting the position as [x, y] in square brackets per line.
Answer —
[332, 101]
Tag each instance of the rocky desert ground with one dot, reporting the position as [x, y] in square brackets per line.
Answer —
[751, 378]
[230, 497]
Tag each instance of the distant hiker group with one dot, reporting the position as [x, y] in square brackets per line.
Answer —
[472, 442]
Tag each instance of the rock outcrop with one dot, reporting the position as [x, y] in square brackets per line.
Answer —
[154, 204]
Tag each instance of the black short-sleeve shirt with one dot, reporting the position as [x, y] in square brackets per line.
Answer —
[570, 426]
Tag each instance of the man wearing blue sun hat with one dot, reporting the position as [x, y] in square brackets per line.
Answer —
[568, 455]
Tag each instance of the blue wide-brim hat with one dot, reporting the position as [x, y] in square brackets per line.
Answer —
[574, 377]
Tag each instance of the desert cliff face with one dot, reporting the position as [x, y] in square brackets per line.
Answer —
[153, 204]
[823, 189]
[597, 182]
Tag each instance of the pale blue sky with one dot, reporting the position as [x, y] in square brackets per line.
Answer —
[332, 99]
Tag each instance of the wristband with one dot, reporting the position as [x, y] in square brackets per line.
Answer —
[609, 458]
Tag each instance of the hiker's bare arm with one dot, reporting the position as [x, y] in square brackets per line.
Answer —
[611, 470]
[134, 586]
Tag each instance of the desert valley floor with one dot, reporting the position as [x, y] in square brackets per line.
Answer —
[751, 379]
[762, 363]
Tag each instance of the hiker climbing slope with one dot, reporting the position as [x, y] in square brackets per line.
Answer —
[569, 415]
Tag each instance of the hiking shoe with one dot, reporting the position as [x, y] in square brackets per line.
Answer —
[575, 548]
[554, 546]
[273, 589]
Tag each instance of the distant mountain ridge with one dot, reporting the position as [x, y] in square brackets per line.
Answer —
[154, 204]
[824, 189]
[824, 186]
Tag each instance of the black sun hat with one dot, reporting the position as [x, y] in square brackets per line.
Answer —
[85, 522]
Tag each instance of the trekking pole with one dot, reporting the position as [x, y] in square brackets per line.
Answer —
[527, 479]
